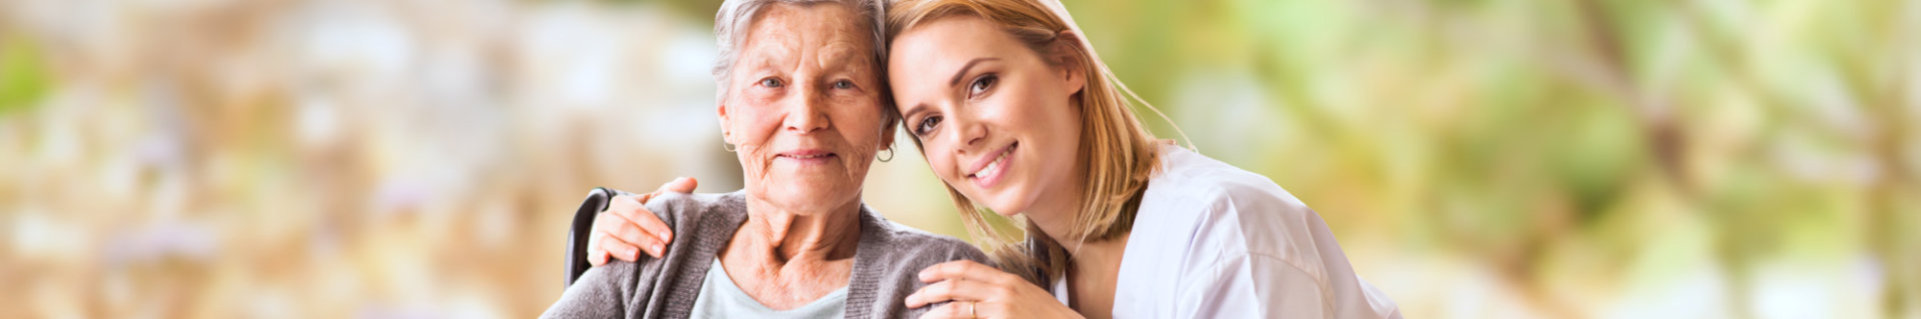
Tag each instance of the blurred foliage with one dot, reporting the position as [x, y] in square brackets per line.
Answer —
[1477, 158]
[23, 73]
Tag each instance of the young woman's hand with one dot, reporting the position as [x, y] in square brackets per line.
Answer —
[627, 228]
[981, 291]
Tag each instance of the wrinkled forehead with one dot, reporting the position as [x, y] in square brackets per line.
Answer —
[830, 33]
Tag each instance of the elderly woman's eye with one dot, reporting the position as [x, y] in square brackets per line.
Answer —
[981, 84]
[770, 82]
[926, 125]
[843, 84]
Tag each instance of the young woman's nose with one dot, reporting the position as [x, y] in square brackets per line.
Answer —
[968, 131]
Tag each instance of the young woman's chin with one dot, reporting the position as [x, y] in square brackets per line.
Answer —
[1005, 202]
[1008, 210]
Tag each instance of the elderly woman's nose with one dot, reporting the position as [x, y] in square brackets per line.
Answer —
[807, 112]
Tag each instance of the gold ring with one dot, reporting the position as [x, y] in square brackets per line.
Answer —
[970, 310]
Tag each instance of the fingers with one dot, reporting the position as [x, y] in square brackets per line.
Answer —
[958, 290]
[627, 229]
[622, 239]
[962, 309]
[635, 212]
[679, 185]
[937, 292]
[967, 270]
[595, 255]
[602, 248]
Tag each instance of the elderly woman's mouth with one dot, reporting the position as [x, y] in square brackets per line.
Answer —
[807, 156]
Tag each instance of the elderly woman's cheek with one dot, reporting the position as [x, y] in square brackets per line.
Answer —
[753, 166]
[751, 126]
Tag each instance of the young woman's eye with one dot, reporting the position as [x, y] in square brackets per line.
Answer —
[926, 125]
[981, 84]
[771, 82]
[843, 84]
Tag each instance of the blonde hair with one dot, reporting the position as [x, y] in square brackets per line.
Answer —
[1117, 153]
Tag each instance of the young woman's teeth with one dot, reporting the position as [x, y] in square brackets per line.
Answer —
[991, 166]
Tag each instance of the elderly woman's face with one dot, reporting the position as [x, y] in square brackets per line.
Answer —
[804, 106]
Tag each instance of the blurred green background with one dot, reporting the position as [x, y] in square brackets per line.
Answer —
[1477, 158]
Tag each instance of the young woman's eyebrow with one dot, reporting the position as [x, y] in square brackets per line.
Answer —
[964, 68]
[911, 112]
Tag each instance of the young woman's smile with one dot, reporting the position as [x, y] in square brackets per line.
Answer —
[991, 167]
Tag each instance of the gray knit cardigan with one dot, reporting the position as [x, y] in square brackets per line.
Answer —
[885, 264]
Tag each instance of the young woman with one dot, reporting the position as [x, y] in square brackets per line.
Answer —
[1015, 113]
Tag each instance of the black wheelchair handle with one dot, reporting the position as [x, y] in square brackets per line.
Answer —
[596, 202]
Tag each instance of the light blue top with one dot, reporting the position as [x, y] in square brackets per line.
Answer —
[720, 298]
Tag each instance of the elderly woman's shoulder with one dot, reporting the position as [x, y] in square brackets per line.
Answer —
[893, 255]
[676, 208]
[921, 247]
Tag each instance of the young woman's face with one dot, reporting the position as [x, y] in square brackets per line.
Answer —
[993, 116]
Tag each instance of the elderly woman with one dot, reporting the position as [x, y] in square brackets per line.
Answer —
[801, 104]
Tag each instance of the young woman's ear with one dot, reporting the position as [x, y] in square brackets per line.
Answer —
[1065, 52]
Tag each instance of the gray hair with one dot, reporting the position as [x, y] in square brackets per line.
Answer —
[731, 23]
